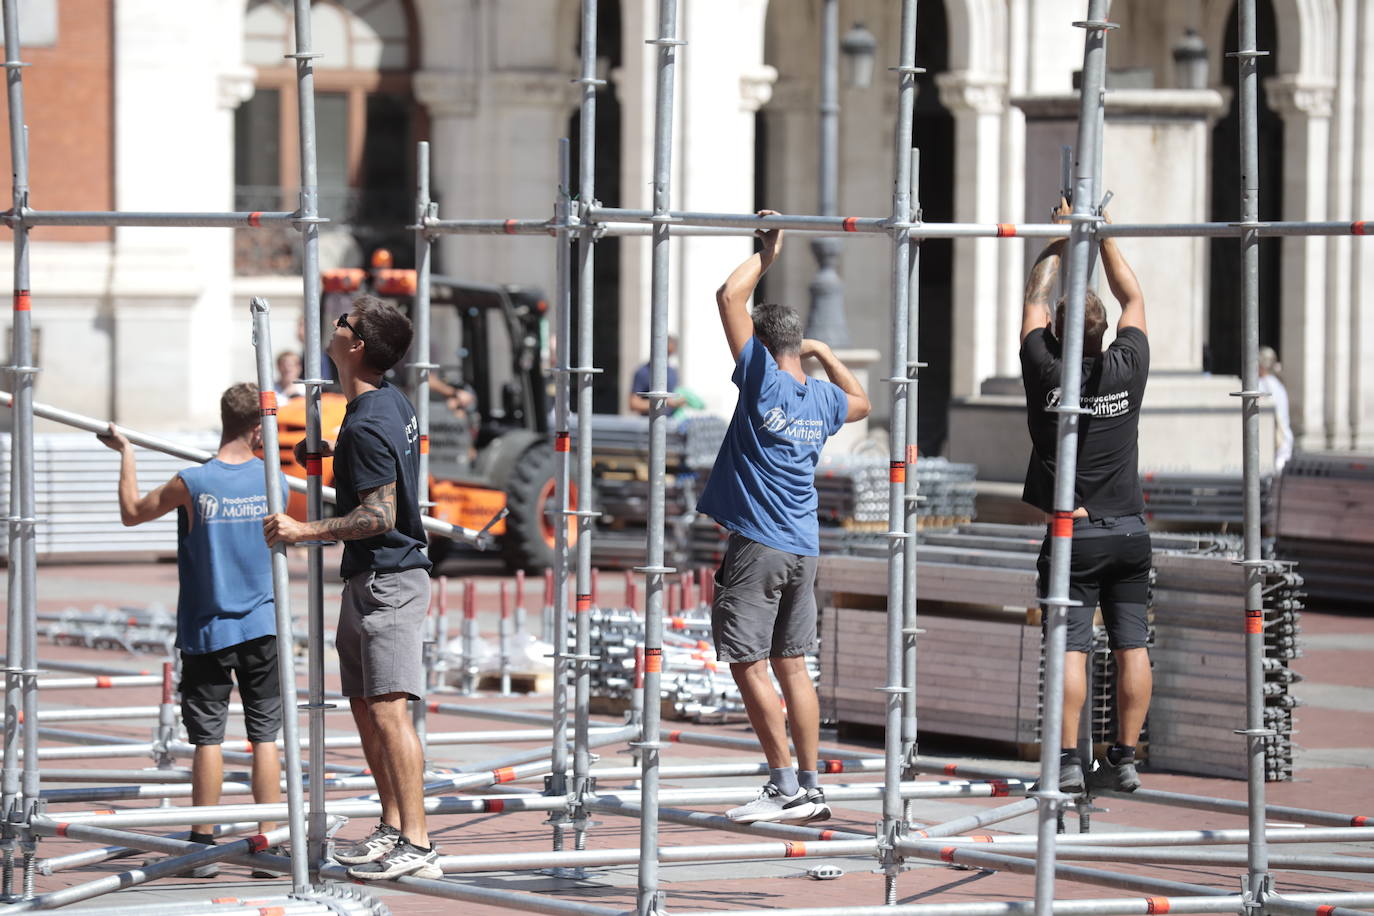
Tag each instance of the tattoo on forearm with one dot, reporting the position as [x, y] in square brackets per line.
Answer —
[1040, 283]
[376, 514]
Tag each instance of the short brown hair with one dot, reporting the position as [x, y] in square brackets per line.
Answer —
[1094, 322]
[385, 332]
[239, 410]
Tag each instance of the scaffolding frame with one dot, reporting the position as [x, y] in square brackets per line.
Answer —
[570, 793]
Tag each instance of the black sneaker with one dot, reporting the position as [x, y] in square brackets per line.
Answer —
[1070, 777]
[209, 869]
[820, 810]
[370, 848]
[405, 858]
[1119, 777]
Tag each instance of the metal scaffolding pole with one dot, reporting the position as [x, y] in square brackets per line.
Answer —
[421, 364]
[582, 374]
[557, 784]
[1079, 258]
[893, 824]
[911, 491]
[649, 899]
[281, 594]
[308, 222]
[1257, 884]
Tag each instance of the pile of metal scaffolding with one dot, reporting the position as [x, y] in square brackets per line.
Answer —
[1200, 501]
[570, 794]
[1326, 526]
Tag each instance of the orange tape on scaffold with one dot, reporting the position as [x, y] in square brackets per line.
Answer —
[832, 766]
[1063, 525]
[951, 769]
[1359, 820]
[257, 843]
[1254, 621]
[1359, 228]
[947, 855]
[1156, 904]
[999, 787]
[1326, 909]
[1006, 230]
[896, 472]
[653, 661]
[562, 441]
[794, 851]
[509, 226]
[314, 464]
[103, 681]
[504, 774]
[584, 603]
[255, 218]
[912, 453]
[424, 445]
[827, 834]
[267, 402]
[674, 736]
[493, 805]
[22, 302]
[851, 224]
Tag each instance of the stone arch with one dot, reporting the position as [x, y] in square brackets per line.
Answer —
[1309, 28]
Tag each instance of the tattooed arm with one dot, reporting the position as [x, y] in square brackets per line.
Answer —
[1037, 309]
[375, 514]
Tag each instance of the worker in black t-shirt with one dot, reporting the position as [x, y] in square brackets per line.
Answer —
[1111, 556]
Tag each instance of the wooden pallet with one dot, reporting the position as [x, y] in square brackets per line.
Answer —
[520, 682]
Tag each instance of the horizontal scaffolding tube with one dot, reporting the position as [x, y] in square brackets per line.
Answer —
[1227, 806]
[721, 822]
[951, 789]
[1236, 859]
[535, 903]
[167, 447]
[725, 852]
[86, 857]
[707, 770]
[678, 736]
[1165, 837]
[244, 219]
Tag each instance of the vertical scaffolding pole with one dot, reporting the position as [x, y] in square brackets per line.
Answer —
[21, 450]
[281, 592]
[911, 494]
[655, 570]
[1257, 880]
[23, 561]
[1079, 255]
[420, 366]
[556, 581]
[586, 294]
[308, 224]
[893, 808]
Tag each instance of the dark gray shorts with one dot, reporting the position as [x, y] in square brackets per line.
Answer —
[206, 681]
[765, 604]
[381, 633]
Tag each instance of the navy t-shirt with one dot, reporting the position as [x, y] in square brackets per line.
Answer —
[379, 443]
[642, 380]
[763, 484]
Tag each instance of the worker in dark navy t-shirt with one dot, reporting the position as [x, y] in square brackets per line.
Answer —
[762, 489]
[1111, 554]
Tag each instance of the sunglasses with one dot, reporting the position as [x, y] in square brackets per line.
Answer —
[343, 322]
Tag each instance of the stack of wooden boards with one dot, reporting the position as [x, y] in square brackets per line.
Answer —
[1326, 524]
[979, 668]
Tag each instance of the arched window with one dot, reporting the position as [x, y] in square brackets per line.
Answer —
[366, 124]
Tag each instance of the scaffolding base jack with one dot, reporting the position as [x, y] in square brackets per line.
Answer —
[1253, 898]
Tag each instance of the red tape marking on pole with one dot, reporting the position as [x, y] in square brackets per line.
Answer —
[1000, 789]
[795, 851]
[267, 401]
[951, 769]
[897, 472]
[509, 227]
[255, 218]
[851, 224]
[1326, 909]
[103, 681]
[1254, 621]
[562, 441]
[62, 829]
[981, 838]
[271, 911]
[1156, 904]
[493, 806]
[1358, 228]
[314, 464]
[1006, 230]
[424, 445]
[1359, 820]
[257, 843]
[1063, 525]
[505, 774]
[912, 453]
[653, 661]
[675, 736]
[225, 900]
[584, 603]
[434, 706]
[22, 302]
[947, 855]
[832, 766]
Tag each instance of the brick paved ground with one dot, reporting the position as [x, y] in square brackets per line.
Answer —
[1336, 732]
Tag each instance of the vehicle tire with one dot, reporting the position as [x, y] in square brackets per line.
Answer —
[528, 541]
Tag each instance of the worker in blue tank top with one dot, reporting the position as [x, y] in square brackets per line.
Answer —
[762, 489]
[226, 615]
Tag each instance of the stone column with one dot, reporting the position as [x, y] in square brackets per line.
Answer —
[977, 102]
[1305, 107]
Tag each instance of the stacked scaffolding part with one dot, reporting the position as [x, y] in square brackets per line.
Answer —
[1326, 525]
[1202, 501]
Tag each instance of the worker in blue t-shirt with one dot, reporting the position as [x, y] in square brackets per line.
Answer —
[226, 613]
[762, 489]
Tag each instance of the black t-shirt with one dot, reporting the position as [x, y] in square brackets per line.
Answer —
[1108, 479]
[379, 444]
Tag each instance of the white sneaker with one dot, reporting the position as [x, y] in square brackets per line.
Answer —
[405, 858]
[772, 805]
[370, 848]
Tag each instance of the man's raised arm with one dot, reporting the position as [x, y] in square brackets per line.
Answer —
[1124, 286]
[1037, 307]
[733, 296]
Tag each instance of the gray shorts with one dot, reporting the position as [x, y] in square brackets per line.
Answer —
[765, 605]
[381, 633]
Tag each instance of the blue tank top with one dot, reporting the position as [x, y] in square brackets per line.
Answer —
[223, 563]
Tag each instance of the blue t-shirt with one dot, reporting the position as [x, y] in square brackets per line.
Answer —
[643, 379]
[763, 484]
[223, 563]
[379, 443]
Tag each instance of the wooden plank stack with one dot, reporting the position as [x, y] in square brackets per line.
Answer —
[1326, 523]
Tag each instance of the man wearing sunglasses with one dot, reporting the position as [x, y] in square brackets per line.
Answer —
[386, 582]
